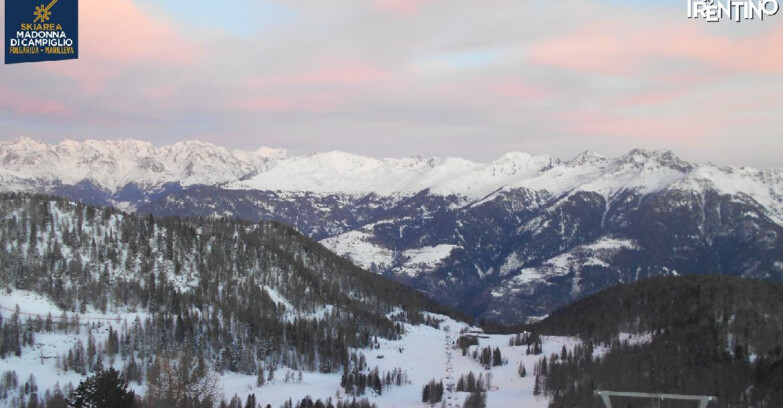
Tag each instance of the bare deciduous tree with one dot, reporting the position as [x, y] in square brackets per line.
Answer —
[181, 379]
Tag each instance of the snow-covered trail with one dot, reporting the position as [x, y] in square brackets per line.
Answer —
[450, 383]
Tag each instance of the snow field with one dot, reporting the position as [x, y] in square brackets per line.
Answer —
[424, 353]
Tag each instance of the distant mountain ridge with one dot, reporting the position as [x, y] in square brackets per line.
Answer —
[113, 165]
[506, 240]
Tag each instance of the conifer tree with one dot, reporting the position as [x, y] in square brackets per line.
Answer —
[105, 389]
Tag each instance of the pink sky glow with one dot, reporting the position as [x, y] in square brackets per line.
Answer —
[400, 77]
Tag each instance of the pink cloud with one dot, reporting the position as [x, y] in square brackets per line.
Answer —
[625, 126]
[747, 54]
[483, 94]
[654, 97]
[22, 104]
[116, 35]
[340, 74]
[620, 49]
[676, 127]
[401, 7]
[160, 92]
[515, 89]
[689, 76]
[310, 103]
[133, 36]
[592, 52]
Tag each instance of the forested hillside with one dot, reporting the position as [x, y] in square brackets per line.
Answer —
[240, 297]
[705, 335]
[509, 240]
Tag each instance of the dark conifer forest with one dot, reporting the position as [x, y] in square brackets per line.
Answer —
[219, 295]
[207, 287]
[702, 335]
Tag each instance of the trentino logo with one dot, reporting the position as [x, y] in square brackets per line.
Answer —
[41, 32]
[714, 11]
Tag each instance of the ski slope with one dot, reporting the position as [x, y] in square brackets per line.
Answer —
[424, 353]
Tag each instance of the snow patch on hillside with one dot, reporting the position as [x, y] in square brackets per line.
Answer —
[636, 338]
[278, 298]
[357, 247]
[30, 303]
[598, 253]
[425, 259]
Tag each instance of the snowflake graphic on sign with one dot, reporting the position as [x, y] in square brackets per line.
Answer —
[43, 13]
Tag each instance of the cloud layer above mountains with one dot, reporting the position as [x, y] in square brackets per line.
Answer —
[464, 78]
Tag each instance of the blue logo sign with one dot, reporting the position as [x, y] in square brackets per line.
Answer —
[41, 31]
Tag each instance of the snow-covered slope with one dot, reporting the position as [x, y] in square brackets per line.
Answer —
[413, 354]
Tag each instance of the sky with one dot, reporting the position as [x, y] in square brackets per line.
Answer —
[391, 78]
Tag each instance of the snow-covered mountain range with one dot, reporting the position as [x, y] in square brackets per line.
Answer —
[508, 240]
[113, 165]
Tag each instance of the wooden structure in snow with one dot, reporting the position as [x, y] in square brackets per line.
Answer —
[703, 400]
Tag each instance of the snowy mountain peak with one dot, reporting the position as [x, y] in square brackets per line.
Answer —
[22, 144]
[519, 163]
[342, 161]
[524, 158]
[663, 158]
[587, 158]
[272, 153]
